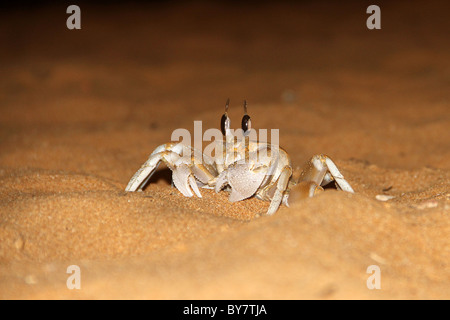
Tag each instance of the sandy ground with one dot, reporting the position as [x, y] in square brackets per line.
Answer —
[82, 110]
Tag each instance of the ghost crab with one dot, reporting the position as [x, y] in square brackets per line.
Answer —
[244, 167]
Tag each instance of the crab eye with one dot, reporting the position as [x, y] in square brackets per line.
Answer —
[223, 123]
[246, 123]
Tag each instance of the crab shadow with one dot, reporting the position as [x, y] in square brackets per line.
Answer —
[161, 176]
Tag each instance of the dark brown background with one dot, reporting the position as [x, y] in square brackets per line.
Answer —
[81, 110]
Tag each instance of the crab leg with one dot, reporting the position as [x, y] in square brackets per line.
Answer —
[322, 170]
[164, 152]
[184, 172]
[281, 186]
[317, 172]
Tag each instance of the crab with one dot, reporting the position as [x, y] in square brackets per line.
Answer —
[244, 167]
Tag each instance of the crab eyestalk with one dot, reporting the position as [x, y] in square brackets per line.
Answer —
[225, 120]
[246, 121]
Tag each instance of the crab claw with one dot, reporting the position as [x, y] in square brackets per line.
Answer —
[243, 180]
[184, 180]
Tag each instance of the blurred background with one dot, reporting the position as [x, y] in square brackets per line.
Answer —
[81, 110]
[164, 63]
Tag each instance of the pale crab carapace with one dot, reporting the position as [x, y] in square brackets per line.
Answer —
[244, 167]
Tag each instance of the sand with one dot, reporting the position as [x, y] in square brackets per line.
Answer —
[81, 110]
